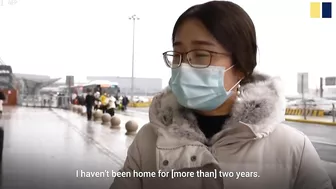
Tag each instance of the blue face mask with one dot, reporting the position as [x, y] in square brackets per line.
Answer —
[200, 89]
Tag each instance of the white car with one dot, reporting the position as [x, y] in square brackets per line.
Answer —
[140, 99]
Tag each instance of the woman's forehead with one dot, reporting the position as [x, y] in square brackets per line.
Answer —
[193, 32]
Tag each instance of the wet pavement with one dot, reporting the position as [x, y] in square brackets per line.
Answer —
[43, 150]
[322, 137]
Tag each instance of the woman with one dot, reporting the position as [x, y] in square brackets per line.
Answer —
[111, 106]
[219, 115]
[97, 101]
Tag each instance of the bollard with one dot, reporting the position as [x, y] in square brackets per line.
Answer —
[80, 110]
[97, 116]
[131, 127]
[93, 114]
[106, 119]
[115, 122]
[75, 107]
[84, 111]
[333, 112]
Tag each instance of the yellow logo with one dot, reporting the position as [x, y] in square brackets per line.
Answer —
[320, 10]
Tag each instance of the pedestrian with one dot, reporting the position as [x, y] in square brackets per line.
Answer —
[2, 100]
[104, 102]
[2, 136]
[125, 102]
[89, 103]
[97, 100]
[111, 106]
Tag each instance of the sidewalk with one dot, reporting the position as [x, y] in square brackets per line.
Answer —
[326, 120]
[113, 142]
[43, 151]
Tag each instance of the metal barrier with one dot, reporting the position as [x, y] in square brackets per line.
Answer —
[313, 110]
[309, 112]
[45, 102]
[139, 104]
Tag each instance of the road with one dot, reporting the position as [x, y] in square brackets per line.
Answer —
[322, 137]
[41, 151]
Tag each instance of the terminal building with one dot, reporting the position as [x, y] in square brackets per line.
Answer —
[16, 86]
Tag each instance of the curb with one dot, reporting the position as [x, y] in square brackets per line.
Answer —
[312, 122]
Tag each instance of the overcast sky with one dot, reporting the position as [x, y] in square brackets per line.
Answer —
[94, 37]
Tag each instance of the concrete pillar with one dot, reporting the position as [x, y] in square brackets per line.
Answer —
[115, 122]
[98, 115]
[131, 127]
[106, 119]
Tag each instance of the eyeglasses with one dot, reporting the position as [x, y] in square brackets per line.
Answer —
[195, 58]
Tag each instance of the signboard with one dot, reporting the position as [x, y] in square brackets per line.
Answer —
[70, 81]
[330, 81]
[6, 77]
[302, 83]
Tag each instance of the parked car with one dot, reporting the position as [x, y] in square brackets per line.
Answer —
[140, 99]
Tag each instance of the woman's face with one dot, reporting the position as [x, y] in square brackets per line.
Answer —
[193, 35]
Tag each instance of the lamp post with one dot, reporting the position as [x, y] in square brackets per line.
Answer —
[133, 18]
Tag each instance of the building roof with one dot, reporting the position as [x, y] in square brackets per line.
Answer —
[33, 83]
[32, 77]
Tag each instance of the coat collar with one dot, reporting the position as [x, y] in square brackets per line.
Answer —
[260, 107]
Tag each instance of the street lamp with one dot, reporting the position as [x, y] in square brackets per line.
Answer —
[133, 18]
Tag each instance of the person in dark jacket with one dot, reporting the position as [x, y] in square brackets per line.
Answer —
[2, 100]
[125, 102]
[2, 96]
[1, 143]
[89, 103]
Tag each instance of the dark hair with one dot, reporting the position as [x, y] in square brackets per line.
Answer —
[231, 26]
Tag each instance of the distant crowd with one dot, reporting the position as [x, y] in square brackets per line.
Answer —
[105, 102]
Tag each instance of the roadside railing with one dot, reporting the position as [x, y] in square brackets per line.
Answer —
[325, 112]
[45, 102]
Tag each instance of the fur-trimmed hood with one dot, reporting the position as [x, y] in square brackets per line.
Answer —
[260, 106]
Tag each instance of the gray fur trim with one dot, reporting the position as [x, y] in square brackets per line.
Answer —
[261, 106]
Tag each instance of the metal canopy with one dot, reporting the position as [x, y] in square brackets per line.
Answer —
[33, 85]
